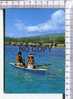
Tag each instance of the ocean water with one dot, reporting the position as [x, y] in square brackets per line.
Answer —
[21, 81]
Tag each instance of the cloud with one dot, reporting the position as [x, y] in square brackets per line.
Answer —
[54, 24]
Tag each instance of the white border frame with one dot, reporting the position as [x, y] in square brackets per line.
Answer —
[53, 4]
[32, 3]
[68, 42]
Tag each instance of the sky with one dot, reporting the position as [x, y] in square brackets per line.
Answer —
[27, 22]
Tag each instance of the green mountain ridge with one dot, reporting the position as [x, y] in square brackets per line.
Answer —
[57, 38]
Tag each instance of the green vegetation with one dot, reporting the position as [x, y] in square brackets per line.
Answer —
[59, 39]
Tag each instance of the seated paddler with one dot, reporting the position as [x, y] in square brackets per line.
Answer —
[19, 59]
[31, 61]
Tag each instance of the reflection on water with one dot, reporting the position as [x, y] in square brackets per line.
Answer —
[21, 81]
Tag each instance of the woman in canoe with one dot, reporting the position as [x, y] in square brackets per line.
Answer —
[19, 60]
[31, 62]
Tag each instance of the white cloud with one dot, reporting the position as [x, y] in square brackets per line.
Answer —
[58, 17]
[56, 23]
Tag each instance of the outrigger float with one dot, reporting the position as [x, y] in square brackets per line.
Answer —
[29, 69]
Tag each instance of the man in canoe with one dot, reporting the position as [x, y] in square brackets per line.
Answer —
[31, 62]
[19, 60]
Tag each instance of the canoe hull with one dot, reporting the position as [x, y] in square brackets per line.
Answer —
[28, 69]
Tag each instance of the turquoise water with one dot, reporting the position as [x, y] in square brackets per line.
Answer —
[21, 81]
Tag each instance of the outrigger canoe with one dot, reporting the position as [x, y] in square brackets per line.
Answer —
[29, 69]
